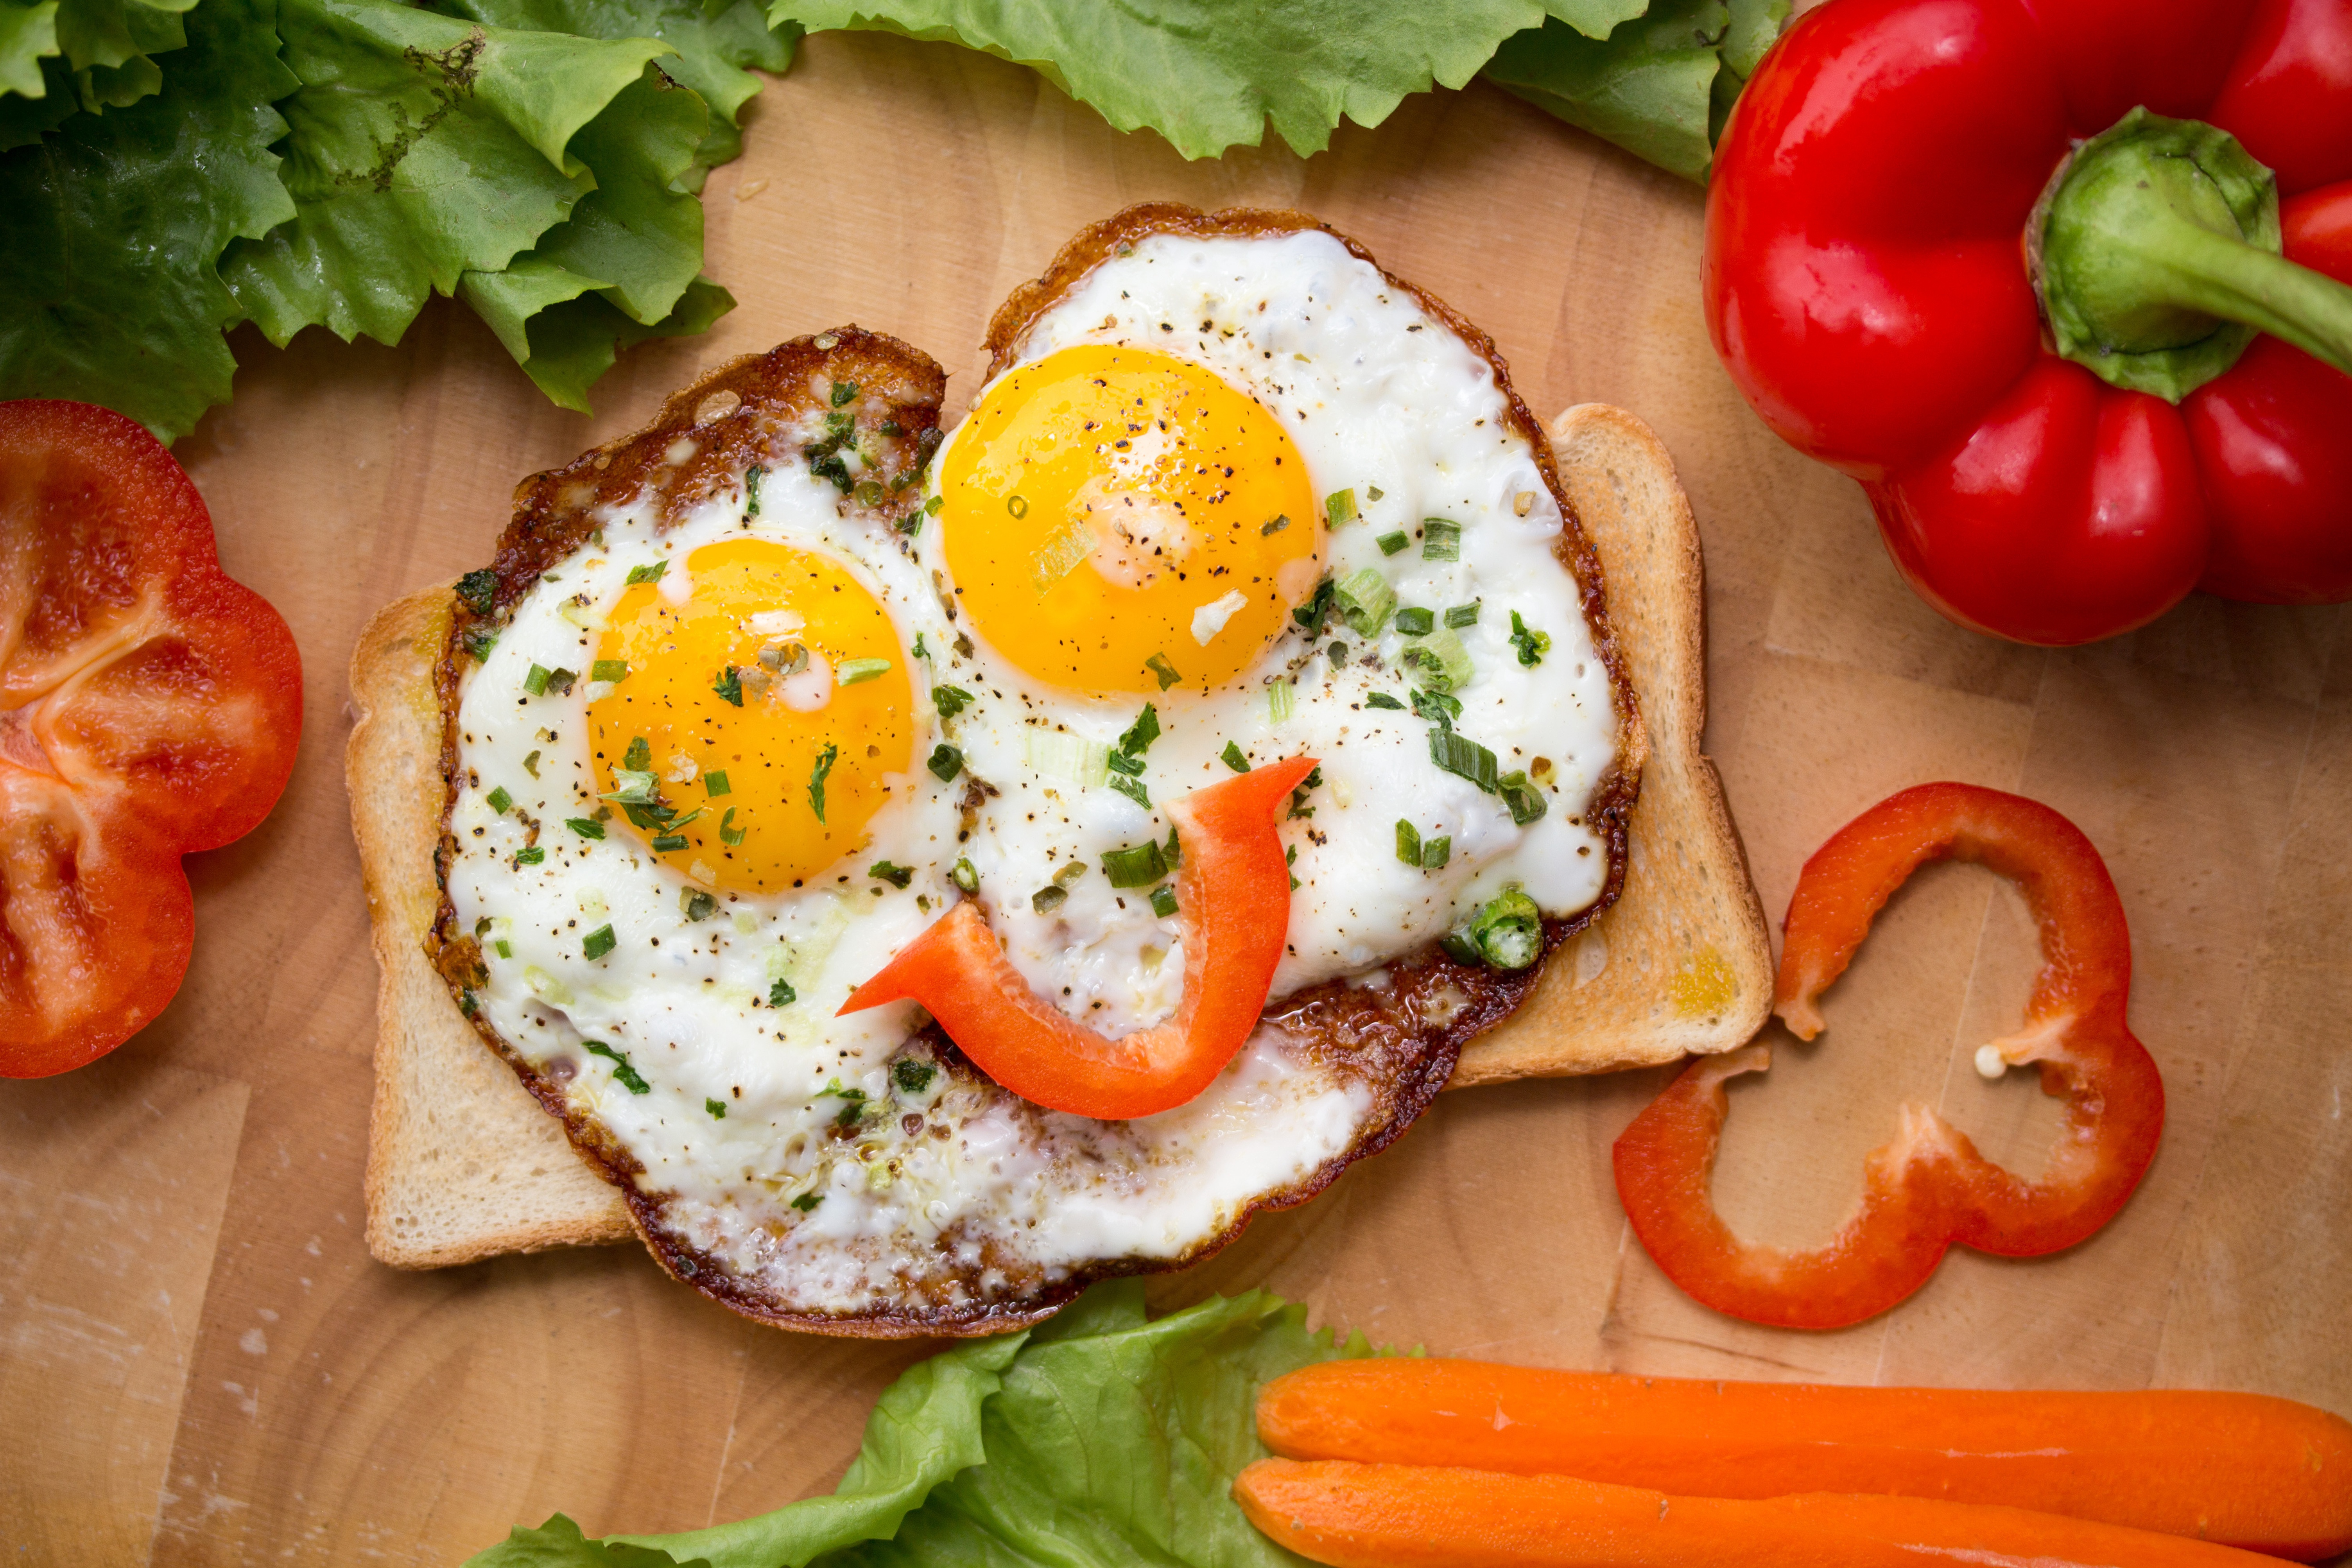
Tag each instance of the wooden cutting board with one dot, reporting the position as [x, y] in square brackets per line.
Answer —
[199, 1363]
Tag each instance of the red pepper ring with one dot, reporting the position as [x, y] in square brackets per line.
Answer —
[1232, 892]
[1929, 1187]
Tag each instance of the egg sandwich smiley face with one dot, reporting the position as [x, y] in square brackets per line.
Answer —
[1168, 768]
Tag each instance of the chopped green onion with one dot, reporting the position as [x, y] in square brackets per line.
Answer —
[1339, 506]
[752, 478]
[479, 589]
[855, 671]
[964, 875]
[950, 700]
[1532, 645]
[1268, 529]
[584, 827]
[1137, 866]
[1071, 875]
[823, 765]
[806, 1203]
[560, 681]
[1133, 788]
[652, 574]
[911, 1076]
[730, 686]
[639, 755]
[1392, 541]
[535, 680]
[529, 855]
[1415, 623]
[1120, 763]
[1141, 733]
[611, 670]
[1445, 662]
[782, 995]
[1437, 708]
[718, 1109]
[1162, 670]
[1526, 801]
[598, 942]
[696, 904]
[1233, 758]
[842, 391]
[1048, 898]
[931, 507]
[1278, 701]
[715, 781]
[1365, 600]
[1463, 615]
[505, 948]
[920, 651]
[1163, 900]
[1381, 700]
[870, 492]
[1061, 755]
[1317, 610]
[633, 788]
[1290, 858]
[896, 876]
[1372, 492]
[666, 842]
[1018, 505]
[1337, 653]
[480, 640]
[1175, 850]
[1408, 843]
[500, 800]
[1440, 539]
[530, 765]
[1436, 852]
[946, 763]
[622, 1071]
[1465, 758]
[728, 834]
[1507, 934]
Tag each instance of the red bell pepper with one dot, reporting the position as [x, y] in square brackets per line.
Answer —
[1233, 896]
[2074, 376]
[148, 706]
[1929, 1187]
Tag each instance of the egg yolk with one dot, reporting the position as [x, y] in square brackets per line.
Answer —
[1120, 519]
[744, 728]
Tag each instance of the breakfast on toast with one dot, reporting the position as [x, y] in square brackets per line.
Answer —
[749, 702]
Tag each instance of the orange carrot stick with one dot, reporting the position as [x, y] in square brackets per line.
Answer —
[1406, 1516]
[2268, 1475]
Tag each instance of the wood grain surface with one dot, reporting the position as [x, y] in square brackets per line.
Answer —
[200, 1365]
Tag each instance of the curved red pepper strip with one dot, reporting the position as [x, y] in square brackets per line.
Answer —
[1929, 1187]
[1232, 893]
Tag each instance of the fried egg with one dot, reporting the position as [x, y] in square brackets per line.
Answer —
[1231, 497]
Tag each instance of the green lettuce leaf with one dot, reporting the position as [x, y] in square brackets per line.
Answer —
[28, 34]
[565, 334]
[1755, 24]
[114, 221]
[1209, 74]
[1102, 1438]
[1648, 87]
[717, 47]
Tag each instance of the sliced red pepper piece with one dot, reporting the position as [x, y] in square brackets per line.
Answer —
[149, 706]
[1929, 1187]
[1232, 893]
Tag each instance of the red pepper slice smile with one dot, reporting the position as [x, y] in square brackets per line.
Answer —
[1232, 891]
[1929, 1187]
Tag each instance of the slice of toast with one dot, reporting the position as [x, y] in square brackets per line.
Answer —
[463, 1163]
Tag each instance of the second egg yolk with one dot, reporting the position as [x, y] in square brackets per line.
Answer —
[743, 729]
[1120, 520]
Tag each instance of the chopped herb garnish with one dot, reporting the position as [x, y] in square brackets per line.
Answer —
[1365, 601]
[1161, 670]
[529, 855]
[1234, 759]
[1071, 875]
[1532, 645]
[946, 763]
[806, 1203]
[950, 701]
[1133, 788]
[718, 1109]
[1444, 661]
[666, 842]
[652, 574]
[1392, 541]
[728, 834]
[752, 478]
[1507, 934]
[782, 995]
[823, 765]
[1339, 506]
[1440, 539]
[964, 875]
[896, 874]
[920, 652]
[530, 765]
[598, 942]
[1408, 843]
[695, 904]
[842, 391]
[1048, 898]
[1018, 505]
[1163, 900]
[1526, 801]
[1137, 866]
[479, 589]
[1267, 529]
[622, 1071]
[931, 507]
[715, 781]
[911, 1076]
[1337, 653]
[855, 671]
[1141, 733]
[1461, 615]
[480, 640]
[1120, 763]
[870, 492]
[560, 681]
[1316, 611]
[505, 948]
[1381, 700]
[632, 787]
[500, 800]
[1437, 708]
[639, 756]
[1372, 492]
[730, 686]
[1290, 858]
[615, 670]
[584, 827]
[1415, 623]
[1465, 758]
[1175, 850]
[535, 680]
[1428, 854]
[1279, 697]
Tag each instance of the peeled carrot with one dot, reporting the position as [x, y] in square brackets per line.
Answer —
[2242, 1469]
[1406, 1516]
